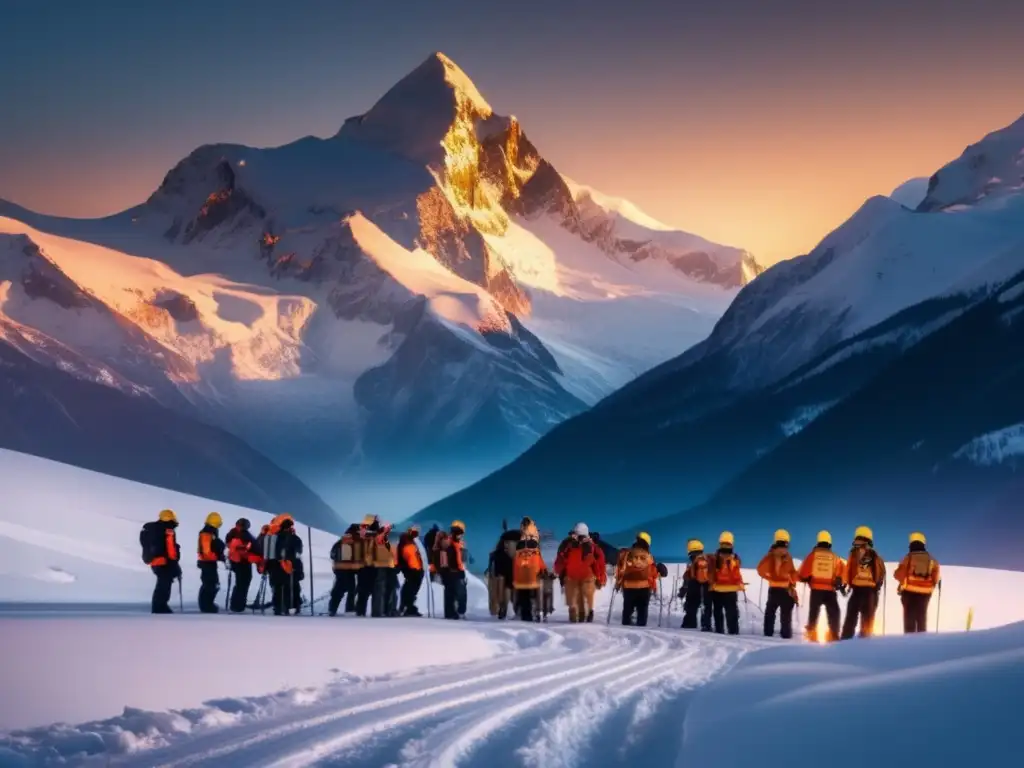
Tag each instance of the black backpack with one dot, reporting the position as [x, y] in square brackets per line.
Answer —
[151, 539]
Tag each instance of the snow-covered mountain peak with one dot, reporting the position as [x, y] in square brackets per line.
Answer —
[992, 167]
[417, 114]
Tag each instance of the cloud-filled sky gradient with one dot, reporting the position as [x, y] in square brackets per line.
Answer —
[758, 123]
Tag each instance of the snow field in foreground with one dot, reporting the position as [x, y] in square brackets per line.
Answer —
[548, 686]
[940, 700]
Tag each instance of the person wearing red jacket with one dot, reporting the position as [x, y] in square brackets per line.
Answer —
[581, 568]
[240, 545]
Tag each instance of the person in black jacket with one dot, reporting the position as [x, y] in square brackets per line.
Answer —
[502, 559]
[289, 571]
[209, 556]
[164, 559]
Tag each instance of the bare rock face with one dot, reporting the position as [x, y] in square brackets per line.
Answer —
[42, 279]
[180, 307]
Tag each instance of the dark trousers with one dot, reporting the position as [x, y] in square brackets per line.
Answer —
[635, 601]
[697, 598]
[827, 599]
[209, 586]
[410, 590]
[726, 609]
[391, 593]
[366, 578]
[344, 587]
[527, 602]
[165, 576]
[779, 601]
[454, 594]
[379, 601]
[242, 573]
[286, 589]
[915, 612]
[862, 605]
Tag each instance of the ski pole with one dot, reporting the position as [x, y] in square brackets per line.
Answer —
[750, 616]
[760, 595]
[181, 600]
[938, 608]
[312, 599]
[661, 600]
[227, 597]
[885, 596]
[611, 604]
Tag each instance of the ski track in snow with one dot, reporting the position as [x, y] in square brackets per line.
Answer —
[558, 695]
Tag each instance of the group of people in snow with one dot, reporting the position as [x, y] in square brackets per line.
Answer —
[712, 582]
[275, 554]
[367, 567]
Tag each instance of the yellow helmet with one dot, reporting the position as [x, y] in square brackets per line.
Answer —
[917, 536]
[368, 519]
[824, 537]
[727, 538]
[694, 545]
[458, 524]
[644, 536]
[214, 519]
[168, 516]
[864, 533]
[782, 535]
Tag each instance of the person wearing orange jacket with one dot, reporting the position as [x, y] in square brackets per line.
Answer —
[527, 568]
[347, 558]
[636, 574]
[779, 570]
[161, 553]
[410, 563]
[918, 574]
[695, 591]
[825, 572]
[726, 584]
[240, 556]
[581, 567]
[865, 573]
[209, 555]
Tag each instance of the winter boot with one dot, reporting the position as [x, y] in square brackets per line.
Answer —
[590, 617]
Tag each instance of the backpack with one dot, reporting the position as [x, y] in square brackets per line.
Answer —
[527, 567]
[864, 574]
[439, 551]
[152, 541]
[510, 545]
[727, 570]
[920, 567]
[637, 565]
[699, 570]
[823, 566]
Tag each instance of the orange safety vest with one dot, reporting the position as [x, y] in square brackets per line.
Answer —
[205, 548]
[726, 575]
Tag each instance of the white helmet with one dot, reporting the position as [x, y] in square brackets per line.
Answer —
[580, 529]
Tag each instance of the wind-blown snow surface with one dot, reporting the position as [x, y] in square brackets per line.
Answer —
[941, 700]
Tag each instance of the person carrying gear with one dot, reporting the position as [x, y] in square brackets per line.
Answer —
[448, 560]
[636, 574]
[160, 552]
[347, 557]
[381, 559]
[778, 569]
[825, 572]
[284, 566]
[210, 553]
[581, 568]
[366, 576]
[865, 573]
[410, 563]
[695, 591]
[500, 580]
[918, 574]
[726, 581]
[240, 545]
[527, 569]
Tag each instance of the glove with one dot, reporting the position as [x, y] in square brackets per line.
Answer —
[807, 580]
[682, 593]
[561, 580]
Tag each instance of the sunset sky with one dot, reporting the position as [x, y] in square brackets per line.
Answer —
[758, 123]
